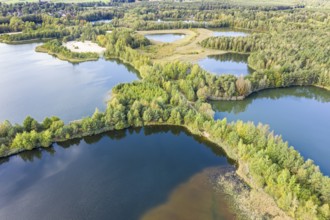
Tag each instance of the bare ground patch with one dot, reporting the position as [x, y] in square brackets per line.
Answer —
[186, 49]
[83, 47]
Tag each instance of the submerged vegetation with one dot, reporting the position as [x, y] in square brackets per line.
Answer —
[175, 93]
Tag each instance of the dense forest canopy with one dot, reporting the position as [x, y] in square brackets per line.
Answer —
[288, 45]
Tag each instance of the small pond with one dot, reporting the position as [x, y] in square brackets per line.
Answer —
[165, 38]
[228, 63]
[102, 21]
[228, 32]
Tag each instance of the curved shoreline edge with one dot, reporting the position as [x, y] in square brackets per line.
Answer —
[236, 180]
[202, 128]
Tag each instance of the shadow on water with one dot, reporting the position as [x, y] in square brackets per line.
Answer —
[236, 107]
[122, 173]
[128, 66]
[29, 156]
[299, 114]
[235, 57]
[228, 63]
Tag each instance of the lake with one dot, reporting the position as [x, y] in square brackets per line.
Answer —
[228, 63]
[228, 32]
[102, 21]
[149, 173]
[300, 115]
[165, 38]
[40, 85]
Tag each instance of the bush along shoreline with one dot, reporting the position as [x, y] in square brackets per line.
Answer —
[175, 94]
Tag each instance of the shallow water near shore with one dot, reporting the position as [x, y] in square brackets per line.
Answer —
[128, 174]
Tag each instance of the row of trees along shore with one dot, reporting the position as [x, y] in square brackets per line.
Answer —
[173, 93]
[290, 47]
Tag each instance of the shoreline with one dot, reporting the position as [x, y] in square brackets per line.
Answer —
[36, 40]
[242, 168]
[41, 49]
[238, 179]
[247, 202]
[241, 98]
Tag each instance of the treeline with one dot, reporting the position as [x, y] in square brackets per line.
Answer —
[285, 59]
[120, 43]
[192, 81]
[165, 25]
[213, 6]
[17, 24]
[36, 35]
[144, 16]
[246, 44]
[175, 93]
[54, 9]
[98, 14]
[36, 18]
[297, 186]
[83, 31]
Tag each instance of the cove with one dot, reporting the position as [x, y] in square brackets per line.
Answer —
[40, 85]
[165, 38]
[228, 63]
[127, 174]
[300, 115]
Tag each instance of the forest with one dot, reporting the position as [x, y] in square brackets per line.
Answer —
[289, 46]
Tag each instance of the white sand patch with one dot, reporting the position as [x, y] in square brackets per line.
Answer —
[82, 47]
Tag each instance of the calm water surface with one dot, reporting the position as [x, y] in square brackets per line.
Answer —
[102, 21]
[165, 38]
[227, 32]
[300, 115]
[229, 63]
[40, 85]
[128, 174]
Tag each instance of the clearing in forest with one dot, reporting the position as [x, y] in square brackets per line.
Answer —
[185, 49]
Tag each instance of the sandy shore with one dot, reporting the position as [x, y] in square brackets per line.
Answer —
[83, 47]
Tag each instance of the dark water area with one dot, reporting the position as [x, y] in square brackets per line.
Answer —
[117, 175]
[165, 38]
[228, 63]
[40, 85]
[300, 115]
